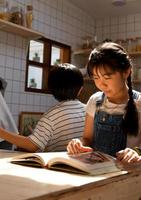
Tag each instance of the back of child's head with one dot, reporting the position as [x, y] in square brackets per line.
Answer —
[65, 81]
[115, 57]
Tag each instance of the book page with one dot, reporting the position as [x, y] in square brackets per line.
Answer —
[36, 159]
[90, 162]
[91, 157]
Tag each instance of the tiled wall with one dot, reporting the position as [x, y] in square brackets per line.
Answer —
[57, 20]
[119, 27]
[122, 28]
[61, 21]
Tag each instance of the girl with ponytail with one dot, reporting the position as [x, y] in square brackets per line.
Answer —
[112, 114]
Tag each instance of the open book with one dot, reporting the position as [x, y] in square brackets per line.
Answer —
[92, 163]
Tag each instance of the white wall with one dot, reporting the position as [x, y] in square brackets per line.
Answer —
[58, 20]
[119, 27]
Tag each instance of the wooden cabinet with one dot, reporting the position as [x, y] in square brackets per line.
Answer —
[89, 88]
[19, 30]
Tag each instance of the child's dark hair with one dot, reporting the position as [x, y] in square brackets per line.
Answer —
[117, 59]
[65, 81]
[1, 85]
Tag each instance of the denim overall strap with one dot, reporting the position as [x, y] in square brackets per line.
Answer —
[136, 94]
[108, 134]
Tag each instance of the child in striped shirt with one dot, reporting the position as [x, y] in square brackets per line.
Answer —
[62, 122]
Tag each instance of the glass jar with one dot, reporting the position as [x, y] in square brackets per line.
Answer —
[129, 44]
[4, 14]
[16, 15]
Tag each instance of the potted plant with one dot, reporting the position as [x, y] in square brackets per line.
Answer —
[36, 57]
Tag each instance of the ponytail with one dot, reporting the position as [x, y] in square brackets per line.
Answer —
[130, 121]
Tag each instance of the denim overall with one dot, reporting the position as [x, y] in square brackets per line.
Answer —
[108, 134]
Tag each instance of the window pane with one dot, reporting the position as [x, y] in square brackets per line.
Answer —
[55, 55]
[36, 51]
[35, 77]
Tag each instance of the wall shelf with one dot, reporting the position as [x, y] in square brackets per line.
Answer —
[82, 52]
[136, 81]
[87, 52]
[134, 54]
[19, 30]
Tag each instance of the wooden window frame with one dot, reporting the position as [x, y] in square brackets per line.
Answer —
[46, 65]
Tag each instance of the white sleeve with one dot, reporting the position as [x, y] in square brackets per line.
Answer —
[6, 119]
[91, 104]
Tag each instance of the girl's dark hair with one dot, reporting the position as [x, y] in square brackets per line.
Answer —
[117, 59]
[65, 81]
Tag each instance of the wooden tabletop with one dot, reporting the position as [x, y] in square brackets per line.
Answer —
[26, 183]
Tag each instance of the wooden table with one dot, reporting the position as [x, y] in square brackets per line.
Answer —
[27, 183]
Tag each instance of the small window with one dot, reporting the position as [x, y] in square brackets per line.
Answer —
[56, 55]
[42, 55]
[36, 50]
[35, 75]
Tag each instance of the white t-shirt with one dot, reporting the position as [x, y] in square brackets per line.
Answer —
[6, 120]
[59, 125]
[116, 109]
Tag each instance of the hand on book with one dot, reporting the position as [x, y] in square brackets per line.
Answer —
[128, 156]
[75, 146]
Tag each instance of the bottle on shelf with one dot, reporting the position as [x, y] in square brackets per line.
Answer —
[134, 46]
[4, 10]
[129, 44]
[29, 16]
[138, 46]
[95, 42]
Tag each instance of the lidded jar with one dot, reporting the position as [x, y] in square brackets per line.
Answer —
[16, 15]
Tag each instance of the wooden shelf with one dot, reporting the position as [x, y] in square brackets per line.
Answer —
[136, 81]
[19, 30]
[87, 52]
[82, 52]
[136, 53]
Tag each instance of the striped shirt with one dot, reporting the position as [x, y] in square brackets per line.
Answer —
[59, 125]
